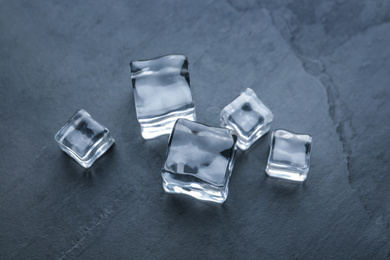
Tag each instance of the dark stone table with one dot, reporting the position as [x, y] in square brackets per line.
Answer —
[323, 68]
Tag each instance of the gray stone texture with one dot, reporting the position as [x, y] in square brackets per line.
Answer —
[322, 67]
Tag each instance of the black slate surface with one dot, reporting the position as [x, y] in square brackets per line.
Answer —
[321, 66]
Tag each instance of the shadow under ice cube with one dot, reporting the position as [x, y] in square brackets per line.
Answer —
[84, 139]
[289, 156]
[248, 117]
[162, 93]
[199, 161]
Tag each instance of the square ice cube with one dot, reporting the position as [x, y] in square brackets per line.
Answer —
[84, 139]
[289, 156]
[199, 161]
[162, 93]
[248, 117]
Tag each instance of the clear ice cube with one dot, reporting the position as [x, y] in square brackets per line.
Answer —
[199, 161]
[248, 117]
[289, 156]
[162, 93]
[84, 139]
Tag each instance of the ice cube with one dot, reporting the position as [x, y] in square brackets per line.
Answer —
[84, 139]
[199, 161]
[289, 156]
[162, 93]
[248, 117]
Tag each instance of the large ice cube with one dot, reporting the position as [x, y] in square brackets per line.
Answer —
[162, 93]
[289, 156]
[248, 117]
[199, 161]
[84, 139]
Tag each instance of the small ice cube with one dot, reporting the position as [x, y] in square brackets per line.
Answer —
[199, 161]
[162, 93]
[84, 139]
[248, 117]
[289, 156]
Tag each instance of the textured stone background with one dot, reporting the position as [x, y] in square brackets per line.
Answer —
[323, 67]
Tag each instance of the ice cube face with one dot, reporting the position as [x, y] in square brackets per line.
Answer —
[289, 156]
[162, 94]
[248, 117]
[199, 161]
[84, 139]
